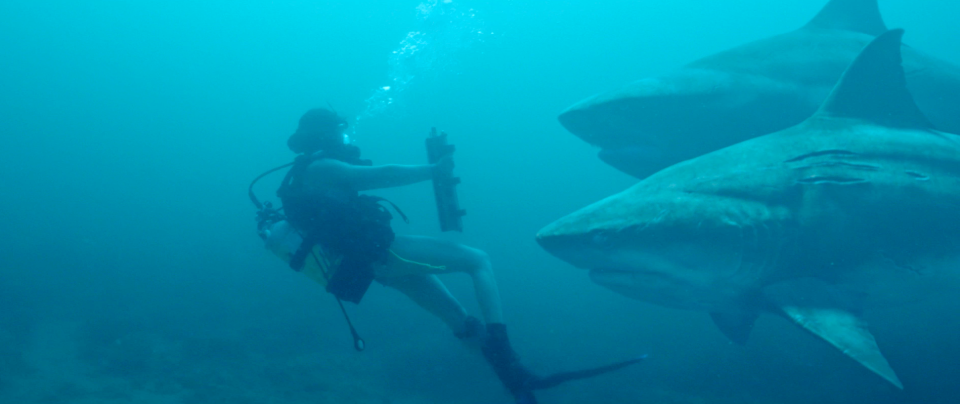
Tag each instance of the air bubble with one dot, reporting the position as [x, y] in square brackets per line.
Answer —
[443, 32]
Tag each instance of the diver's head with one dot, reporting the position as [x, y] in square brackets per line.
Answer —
[319, 129]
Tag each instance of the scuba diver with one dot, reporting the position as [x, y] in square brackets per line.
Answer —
[343, 240]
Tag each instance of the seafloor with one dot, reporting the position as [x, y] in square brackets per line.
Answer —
[75, 363]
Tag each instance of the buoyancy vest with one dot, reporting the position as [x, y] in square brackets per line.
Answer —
[353, 226]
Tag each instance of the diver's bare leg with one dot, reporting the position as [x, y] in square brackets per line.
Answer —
[428, 292]
[452, 257]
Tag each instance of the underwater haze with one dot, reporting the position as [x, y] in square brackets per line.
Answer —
[131, 270]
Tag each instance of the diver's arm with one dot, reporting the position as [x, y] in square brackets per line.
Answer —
[362, 178]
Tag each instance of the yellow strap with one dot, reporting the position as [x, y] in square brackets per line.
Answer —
[406, 261]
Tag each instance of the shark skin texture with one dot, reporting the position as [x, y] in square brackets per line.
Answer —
[853, 209]
[748, 91]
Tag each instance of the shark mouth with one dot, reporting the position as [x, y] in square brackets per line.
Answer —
[637, 160]
[609, 276]
[640, 151]
[613, 277]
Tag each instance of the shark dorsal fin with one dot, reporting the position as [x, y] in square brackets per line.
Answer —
[874, 88]
[850, 15]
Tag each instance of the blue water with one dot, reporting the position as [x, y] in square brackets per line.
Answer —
[130, 270]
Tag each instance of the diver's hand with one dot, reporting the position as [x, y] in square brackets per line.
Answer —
[444, 167]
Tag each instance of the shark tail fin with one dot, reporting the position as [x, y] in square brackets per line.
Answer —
[874, 88]
[850, 15]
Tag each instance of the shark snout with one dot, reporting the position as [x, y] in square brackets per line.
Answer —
[580, 250]
[590, 123]
[658, 248]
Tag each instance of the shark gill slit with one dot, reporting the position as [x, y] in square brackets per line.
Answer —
[918, 176]
[831, 152]
[843, 164]
[830, 179]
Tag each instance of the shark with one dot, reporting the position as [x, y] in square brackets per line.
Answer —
[748, 91]
[855, 209]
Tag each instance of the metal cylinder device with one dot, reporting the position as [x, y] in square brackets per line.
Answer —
[445, 185]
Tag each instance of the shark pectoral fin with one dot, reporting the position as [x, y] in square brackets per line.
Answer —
[828, 313]
[848, 333]
[736, 326]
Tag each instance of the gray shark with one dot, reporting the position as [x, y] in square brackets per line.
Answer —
[855, 208]
[748, 91]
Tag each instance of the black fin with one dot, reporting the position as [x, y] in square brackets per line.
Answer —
[736, 327]
[874, 88]
[557, 378]
[850, 15]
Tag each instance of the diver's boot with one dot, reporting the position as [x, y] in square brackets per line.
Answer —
[506, 364]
